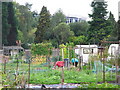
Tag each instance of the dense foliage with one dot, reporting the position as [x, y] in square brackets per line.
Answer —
[9, 24]
[79, 28]
[62, 33]
[20, 23]
[12, 21]
[113, 26]
[5, 25]
[41, 49]
[27, 22]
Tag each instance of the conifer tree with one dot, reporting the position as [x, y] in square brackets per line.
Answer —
[5, 25]
[43, 26]
[118, 29]
[12, 21]
[98, 25]
[113, 27]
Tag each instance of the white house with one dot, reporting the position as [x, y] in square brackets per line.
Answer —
[72, 19]
[85, 50]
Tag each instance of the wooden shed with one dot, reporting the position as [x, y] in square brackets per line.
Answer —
[12, 50]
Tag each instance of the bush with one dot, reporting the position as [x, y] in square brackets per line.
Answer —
[41, 49]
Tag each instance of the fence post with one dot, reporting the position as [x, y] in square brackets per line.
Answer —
[29, 71]
[62, 81]
[17, 64]
[4, 64]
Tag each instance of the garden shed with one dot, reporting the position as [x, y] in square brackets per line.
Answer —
[12, 50]
[113, 51]
[85, 50]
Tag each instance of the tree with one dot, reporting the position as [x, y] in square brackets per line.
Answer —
[79, 28]
[56, 19]
[43, 26]
[118, 29]
[20, 36]
[113, 27]
[12, 21]
[99, 29]
[25, 17]
[62, 33]
[5, 25]
[31, 35]
[27, 21]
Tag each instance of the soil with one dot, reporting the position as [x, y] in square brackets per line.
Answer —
[66, 85]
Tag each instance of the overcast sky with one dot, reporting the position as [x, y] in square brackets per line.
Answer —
[79, 8]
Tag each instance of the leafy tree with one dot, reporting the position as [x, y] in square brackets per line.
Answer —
[56, 19]
[43, 26]
[31, 35]
[99, 28]
[20, 36]
[5, 25]
[25, 17]
[79, 28]
[62, 33]
[27, 22]
[12, 21]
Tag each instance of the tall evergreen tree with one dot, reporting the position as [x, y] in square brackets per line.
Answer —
[5, 25]
[98, 25]
[118, 29]
[113, 27]
[12, 21]
[43, 26]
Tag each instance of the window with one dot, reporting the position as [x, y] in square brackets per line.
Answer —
[71, 20]
[76, 20]
[87, 51]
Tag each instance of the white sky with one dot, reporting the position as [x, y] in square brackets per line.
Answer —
[79, 8]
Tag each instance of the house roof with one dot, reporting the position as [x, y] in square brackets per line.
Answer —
[12, 47]
[87, 46]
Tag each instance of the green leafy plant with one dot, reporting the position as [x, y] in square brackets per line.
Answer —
[41, 49]
[103, 85]
[70, 76]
